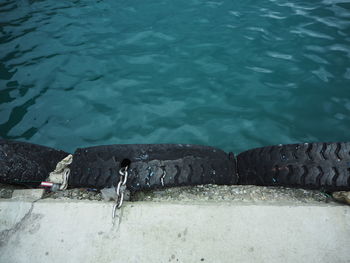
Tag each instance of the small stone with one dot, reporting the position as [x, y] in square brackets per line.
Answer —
[28, 194]
[342, 196]
[6, 193]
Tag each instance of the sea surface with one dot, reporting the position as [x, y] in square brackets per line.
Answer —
[230, 74]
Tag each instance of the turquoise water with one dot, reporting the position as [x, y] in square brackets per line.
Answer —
[231, 74]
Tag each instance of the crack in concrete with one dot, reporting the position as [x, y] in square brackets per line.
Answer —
[6, 234]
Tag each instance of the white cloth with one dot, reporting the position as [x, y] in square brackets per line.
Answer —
[61, 174]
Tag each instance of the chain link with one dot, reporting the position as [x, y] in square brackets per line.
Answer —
[162, 178]
[120, 189]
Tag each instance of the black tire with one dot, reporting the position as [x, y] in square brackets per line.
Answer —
[25, 163]
[324, 166]
[179, 164]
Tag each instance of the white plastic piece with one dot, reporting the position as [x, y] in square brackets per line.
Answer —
[108, 194]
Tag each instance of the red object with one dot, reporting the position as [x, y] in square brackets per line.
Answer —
[46, 184]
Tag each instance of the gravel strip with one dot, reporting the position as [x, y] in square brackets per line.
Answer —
[242, 193]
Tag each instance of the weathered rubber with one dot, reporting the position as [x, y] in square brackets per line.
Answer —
[25, 163]
[324, 166]
[177, 164]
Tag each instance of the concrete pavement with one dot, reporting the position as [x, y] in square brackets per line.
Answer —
[48, 230]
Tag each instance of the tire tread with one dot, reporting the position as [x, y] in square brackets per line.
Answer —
[310, 165]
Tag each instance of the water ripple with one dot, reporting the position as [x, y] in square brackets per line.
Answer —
[230, 74]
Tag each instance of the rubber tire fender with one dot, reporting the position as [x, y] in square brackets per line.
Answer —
[324, 166]
[26, 163]
[152, 166]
